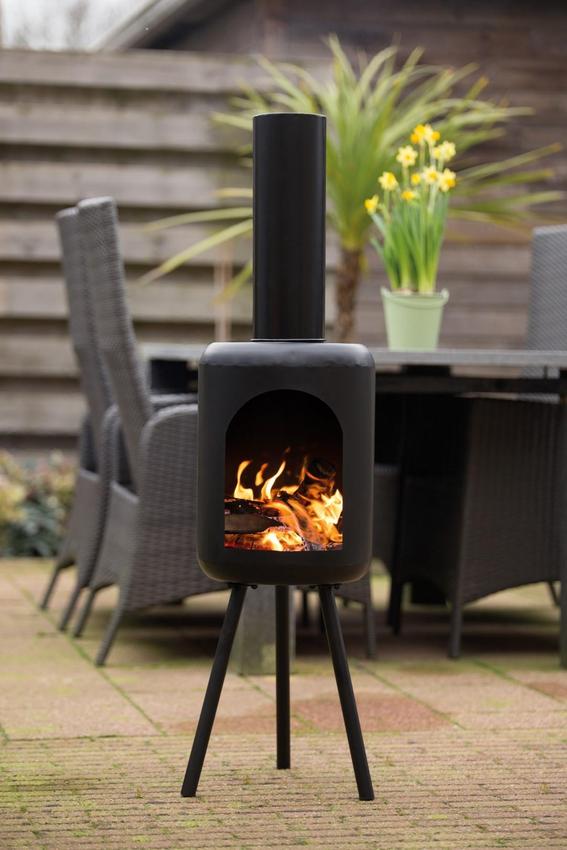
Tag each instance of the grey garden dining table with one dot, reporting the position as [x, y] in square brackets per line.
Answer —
[443, 372]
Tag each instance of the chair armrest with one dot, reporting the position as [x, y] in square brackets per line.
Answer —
[114, 461]
[114, 450]
[160, 401]
[168, 506]
[169, 451]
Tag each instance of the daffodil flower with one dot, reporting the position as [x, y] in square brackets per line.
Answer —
[430, 135]
[413, 210]
[445, 151]
[371, 204]
[430, 175]
[388, 181]
[447, 180]
[406, 155]
[425, 133]
[418, 134]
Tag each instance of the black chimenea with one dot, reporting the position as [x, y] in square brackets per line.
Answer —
[286, 426]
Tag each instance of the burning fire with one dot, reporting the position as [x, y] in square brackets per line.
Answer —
[297, 517]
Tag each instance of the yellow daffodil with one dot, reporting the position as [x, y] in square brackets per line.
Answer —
[418, 134]
[430, 175]
[415, 179]
[407, 155]
[447, 180]
[388, 181]
[371, 204]
[425, 133]
[430, 135]
[445, 151]
[408, 195]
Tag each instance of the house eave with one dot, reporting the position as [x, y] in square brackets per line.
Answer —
[154, 20]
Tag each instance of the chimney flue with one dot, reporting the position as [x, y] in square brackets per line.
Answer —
[289, 227]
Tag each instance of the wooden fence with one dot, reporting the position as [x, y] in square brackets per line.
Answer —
[137, 126]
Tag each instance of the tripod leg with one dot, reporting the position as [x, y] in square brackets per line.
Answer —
[282, 677]
[305, 619]
[395, 606]
[213, 692]
[346, 693]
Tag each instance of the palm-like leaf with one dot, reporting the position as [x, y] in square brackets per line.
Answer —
[371, 109]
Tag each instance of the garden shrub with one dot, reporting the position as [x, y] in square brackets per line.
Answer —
[35, 497]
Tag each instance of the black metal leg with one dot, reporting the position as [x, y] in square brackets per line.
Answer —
[395, 606]
[393, 618]
[70, 607]
[456, 629]
[346, 693]
[282, 678]
[370, 630]
[213, 692]
[305, 619]
[84, 614]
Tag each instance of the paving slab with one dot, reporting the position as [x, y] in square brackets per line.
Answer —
[470, 754]
[47, 688]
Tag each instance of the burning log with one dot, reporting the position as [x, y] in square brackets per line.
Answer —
[242, 516]
[275, 538]
[318, 478]
[301, 517]
[251, 523]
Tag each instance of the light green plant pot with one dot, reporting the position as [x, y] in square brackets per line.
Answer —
[413, 321]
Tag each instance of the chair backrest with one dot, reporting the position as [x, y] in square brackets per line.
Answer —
[547, 322]
[98, 221]
[94, 379]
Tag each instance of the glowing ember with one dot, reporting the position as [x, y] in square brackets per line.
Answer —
[295, 517]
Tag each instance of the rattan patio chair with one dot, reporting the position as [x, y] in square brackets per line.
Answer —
[148, 546]
[87, 514]
[386, 482]
[479, 509]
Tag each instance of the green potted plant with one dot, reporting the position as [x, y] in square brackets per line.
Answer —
[371, 106]
[410, 222]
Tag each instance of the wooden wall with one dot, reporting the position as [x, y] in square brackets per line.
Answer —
[137, 126]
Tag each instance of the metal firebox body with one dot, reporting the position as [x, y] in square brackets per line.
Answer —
[342, 377]
[287, 400]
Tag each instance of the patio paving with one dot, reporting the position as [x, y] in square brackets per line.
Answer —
[467, 754]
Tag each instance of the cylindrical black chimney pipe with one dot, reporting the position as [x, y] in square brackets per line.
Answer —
[289, 226]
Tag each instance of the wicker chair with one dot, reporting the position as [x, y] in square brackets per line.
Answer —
[386, 479]
[479, 509]
[148, 547]
[87, 515]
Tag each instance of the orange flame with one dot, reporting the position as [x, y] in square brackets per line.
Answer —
[241, 492]
[303, 515]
